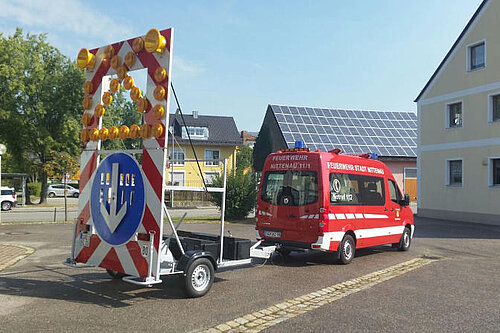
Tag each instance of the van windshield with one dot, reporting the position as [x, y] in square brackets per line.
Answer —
[290, 188]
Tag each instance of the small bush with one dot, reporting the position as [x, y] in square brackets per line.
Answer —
[35, 189]
[241, 194]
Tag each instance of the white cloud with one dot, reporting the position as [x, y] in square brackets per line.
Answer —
[186, 66]
[71, 16]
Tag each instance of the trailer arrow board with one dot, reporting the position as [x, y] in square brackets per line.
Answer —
[117, 198]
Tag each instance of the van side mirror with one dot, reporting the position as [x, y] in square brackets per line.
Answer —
[405, 201]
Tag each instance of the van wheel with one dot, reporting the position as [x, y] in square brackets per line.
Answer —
[6, 205]
[405, 242]
[52, 194]
[199, 277]
[115, 274]
[346, 250]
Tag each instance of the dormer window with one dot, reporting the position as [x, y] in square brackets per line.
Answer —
[195, 132]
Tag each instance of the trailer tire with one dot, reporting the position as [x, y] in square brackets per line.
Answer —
[405, 242]
[346, 250]
[199, 277]
[115, 275]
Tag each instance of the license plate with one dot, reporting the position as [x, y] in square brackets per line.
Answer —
[272, 234]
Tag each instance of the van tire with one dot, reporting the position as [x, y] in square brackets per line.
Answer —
[405, 241]
[346, 250]
[52, 195]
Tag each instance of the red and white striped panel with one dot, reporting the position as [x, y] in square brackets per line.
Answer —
[127, 258]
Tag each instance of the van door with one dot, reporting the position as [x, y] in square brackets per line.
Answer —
[395, 210]
[293, 209]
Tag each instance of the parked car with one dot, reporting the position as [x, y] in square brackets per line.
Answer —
[57, 190]
[8, 198]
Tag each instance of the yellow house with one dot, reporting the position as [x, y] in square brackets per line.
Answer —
[459, 126]
[214, 138]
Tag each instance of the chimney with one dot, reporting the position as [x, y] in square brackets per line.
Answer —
[195, 114]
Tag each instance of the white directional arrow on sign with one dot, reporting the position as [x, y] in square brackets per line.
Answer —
[113, 218]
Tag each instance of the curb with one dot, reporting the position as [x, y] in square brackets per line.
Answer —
[27, 251]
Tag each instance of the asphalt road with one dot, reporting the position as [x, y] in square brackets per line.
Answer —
[459, 293]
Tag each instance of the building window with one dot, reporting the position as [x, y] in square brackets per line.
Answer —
[494, 105]
[454, 115]
[455, 173]
[477, 56]
[495, 171]
[178, 156]
[212, 155]
[410, 173]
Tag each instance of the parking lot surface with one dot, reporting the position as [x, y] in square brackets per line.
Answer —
[457, 291]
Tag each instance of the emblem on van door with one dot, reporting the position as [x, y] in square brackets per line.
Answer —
[286, 200]
[336, 185]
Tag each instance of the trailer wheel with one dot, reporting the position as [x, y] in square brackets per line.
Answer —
[199, 277]
[405, 242]
[115, 275]
[346, 250]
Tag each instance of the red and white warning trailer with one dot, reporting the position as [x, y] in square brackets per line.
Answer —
[332, 202]
[121, 205]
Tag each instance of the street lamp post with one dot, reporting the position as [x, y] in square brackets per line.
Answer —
[3, 149]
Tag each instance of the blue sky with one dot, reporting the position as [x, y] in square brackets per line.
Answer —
[235, 57]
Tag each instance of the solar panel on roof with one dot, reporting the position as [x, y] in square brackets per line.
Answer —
[355, 131]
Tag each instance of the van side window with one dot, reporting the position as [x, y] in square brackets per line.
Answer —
[290, 188]
[349, 189]
[394, 192]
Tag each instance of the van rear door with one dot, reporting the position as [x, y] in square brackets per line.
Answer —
[291, 202]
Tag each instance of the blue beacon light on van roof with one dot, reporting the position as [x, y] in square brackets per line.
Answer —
[299, 144]
[374, 156]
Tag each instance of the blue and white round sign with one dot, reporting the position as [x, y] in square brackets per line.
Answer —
[117, 198]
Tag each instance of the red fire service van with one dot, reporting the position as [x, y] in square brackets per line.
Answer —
[330, 201]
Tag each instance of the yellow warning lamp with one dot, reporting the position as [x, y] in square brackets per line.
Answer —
[86, 119]
[85, 59]
[158, 111]
[114, 85]
[135, 94]
[130, 59]
[113, 133]
[107, 98]
[135, 131]
[145, 131]
[137, 45]
[116, 62]
[159, 93]
[103, 133]
[94, 134]
[87, 103]
[124, 131]
[121, 72]
[128, 82]
[157, 130]
[88, 87]
[109, 52]
[142, 104]
[154, 41]
[84, 135]
[160, 74]
[99, 110]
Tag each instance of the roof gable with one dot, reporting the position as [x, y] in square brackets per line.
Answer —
[451, 51]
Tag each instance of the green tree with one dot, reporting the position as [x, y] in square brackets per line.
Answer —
[243, 158]
[241, 194]
[40, 102]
